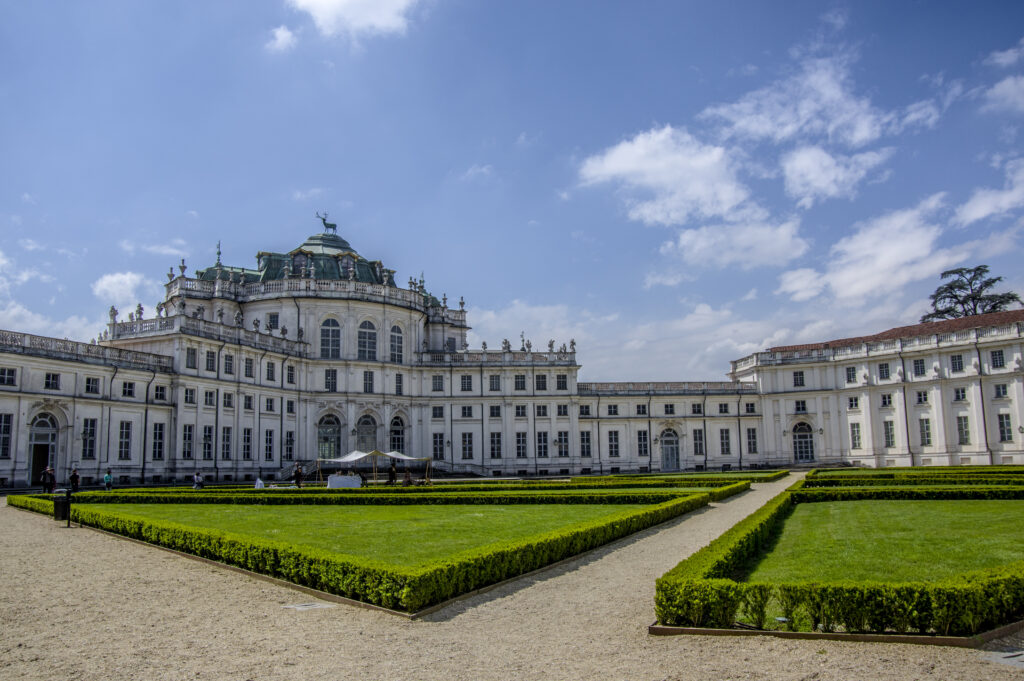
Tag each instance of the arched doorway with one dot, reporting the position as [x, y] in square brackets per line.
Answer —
[397, 435]
[366, 434]
[328, 437]
[669, 451]
[803, 443]
[43, 444]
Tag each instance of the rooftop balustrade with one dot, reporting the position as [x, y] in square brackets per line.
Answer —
[75, 351]
[667, 388]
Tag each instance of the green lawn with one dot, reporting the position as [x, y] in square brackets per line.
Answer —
[893, 540]
[397, 535]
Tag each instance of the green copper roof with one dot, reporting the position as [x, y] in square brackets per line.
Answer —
[326, 244]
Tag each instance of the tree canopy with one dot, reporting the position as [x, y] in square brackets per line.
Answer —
[968, 293]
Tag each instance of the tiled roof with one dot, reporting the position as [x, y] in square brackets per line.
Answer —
[926, 329]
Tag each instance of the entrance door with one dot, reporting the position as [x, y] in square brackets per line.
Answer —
[328, 437]
[669, 451]
[803, 443]
[42, 444]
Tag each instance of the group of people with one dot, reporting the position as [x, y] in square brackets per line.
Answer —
[48, 479]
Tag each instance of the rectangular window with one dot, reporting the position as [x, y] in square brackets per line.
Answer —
[641, 410]
[956, 363]
[670, 410]
[541, 381]
[698, 442]
[127, 389]
[437, 441]
[751, 407]
[800, 406]
[160, 393]
[798, 379]
[883, 371]
[290, 374]
[88, 436]
[190, 395]
[268, 445]
[158, 442]
[697, 409]
[1005, 430]
[585, 443]
[521, 445]
[92, 386]
[466, 384]
[854, 403]
[399, 384]
[7, 423]
[290, 406]
[562, 443]
[854, 436]
[467, 412]
[643, 444]
[187, 436]
[998, 361]
[209, 398]
[963, 430]
[271, 370]
[211, 360]
[467, 445]
[561, 382]
[437, 412]
[247, 402]
[494, 383]
[124, 441]
[249, 367]
[396, 345]
[191, 358]
[273, 320]
[723, 407]
[269, 404]
[247, 444]
[726, 444]
[229, 365]
[437, 384]
[542, 410]
[613, 410]
[520, 411]
[495, 411]
[887, 400]
[225, 443]
[51, 381]
[851, 374]
[8, 376]
[959, 394]
[289, 445]
[367, 381]
[542, 444]
[584, 410]
[496, 445]
[207, 443]
[1000, 390]
[562, 409]
[922, 397]
[919, 367]
[520, 382]
[751, 440]
[889, 432]
[613, 443]
[331, 380]
[925, 429]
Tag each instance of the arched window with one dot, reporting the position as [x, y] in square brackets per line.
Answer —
[330, 339]
[368, 341]
[43, 443]
[803, 442]
[669, 450]
[397, 435]
[328, 437]
[366, 434]
[396, 344]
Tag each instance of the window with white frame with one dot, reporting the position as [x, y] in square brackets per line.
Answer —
[963, 430]
[613, 410]
[225, 443]
[542, 410]
[207, 443]
[751, 407]
[613, 444]
[127, 388]
[798, 379]
[268, 445]
[883, 371]
[723, 407]
[854, 436]
[956, 363]
[437, 412]
[997, 359]
[853, 403]
[269, 404]
[51, 381]
[561, 382]
[520, 411]
[542, 444]
[562, 443]
[273, 321]
[1000, 390]
[496, 445]
[562, 409]
[724, 442]
[92, 386]
[851, 374]
[643, 445]
[396, 344]
[886, 399]
[752, 440]
[249, 367]
[367, 381]
[271, 371]
[399, 384]
[959, 394]
[209, 398]
[229, 365]
[641, 410]
[211, 360]
[919, 367]
[494, 381]
[289, 445]
[89, 427]
[229, 400]
[889, 433]
[520, 381]
[1005, 429]
[585, 443]
[331, 380]
[467, 445]
[187, 439]
[922, 397]
[698, 442]
[330, 339]
[670, 410]
[495, 411]
[191, 358]
[466, 383]
[925, 428]
[800, 406]
[367, 344]
[521, 445]
[584, 410]
[437, 384]
[190, 396]
[8, 376]
[467, 411]
[437, 446]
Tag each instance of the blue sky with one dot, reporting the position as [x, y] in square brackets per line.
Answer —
[672, 184]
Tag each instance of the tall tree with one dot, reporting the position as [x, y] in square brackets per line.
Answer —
[968, 293]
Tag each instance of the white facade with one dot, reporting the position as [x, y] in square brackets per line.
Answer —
[247, 372]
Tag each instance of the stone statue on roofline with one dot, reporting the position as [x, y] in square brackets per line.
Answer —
[506, 346]
[328, 226]
[572, 345]
[113, 314]
[239, 318]
[551, 345]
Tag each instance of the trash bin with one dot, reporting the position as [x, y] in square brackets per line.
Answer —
[61, 505]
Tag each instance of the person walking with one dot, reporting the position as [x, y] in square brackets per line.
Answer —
[108, 480]
[74, 480]
[392, 474]
[47, 479]
[297, 476]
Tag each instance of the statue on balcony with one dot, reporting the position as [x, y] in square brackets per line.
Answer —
[256, 325]
[220, 315]
[572, 345]
[284, 332]
[529, 346]
[506, 346]
[299, 333]
[159, 310]
[551, 345]
[239, 319]
[138, 312]
[113, 314]
[181, 305]
[483, 346]
[328, 226]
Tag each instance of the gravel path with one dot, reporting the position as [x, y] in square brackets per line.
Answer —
[77, 604]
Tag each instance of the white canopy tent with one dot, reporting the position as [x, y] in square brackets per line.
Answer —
[357, 455]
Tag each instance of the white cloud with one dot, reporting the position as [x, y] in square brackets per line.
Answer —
[687, 179]
[28, 198]
[477, 172]
[281, 40]
[30, 244]
[878, 258]
[744, 245]
[669, 279]
[125, 289]
[751, 295]
[539, 322]
[192, 214]
[986, 203]
[306, 194]
[1006, 95]
[17, 317]
[176, 247]
[354, 17]
[1007, 58]
[813, 174]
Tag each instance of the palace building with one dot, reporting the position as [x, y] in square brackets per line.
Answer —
[245, 372]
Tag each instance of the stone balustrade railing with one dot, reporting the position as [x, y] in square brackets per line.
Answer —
[56, 348]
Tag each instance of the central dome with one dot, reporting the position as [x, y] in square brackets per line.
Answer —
[325, 244]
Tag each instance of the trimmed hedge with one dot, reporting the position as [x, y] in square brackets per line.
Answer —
[703, 591]
[915, 480]
[408, 589]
